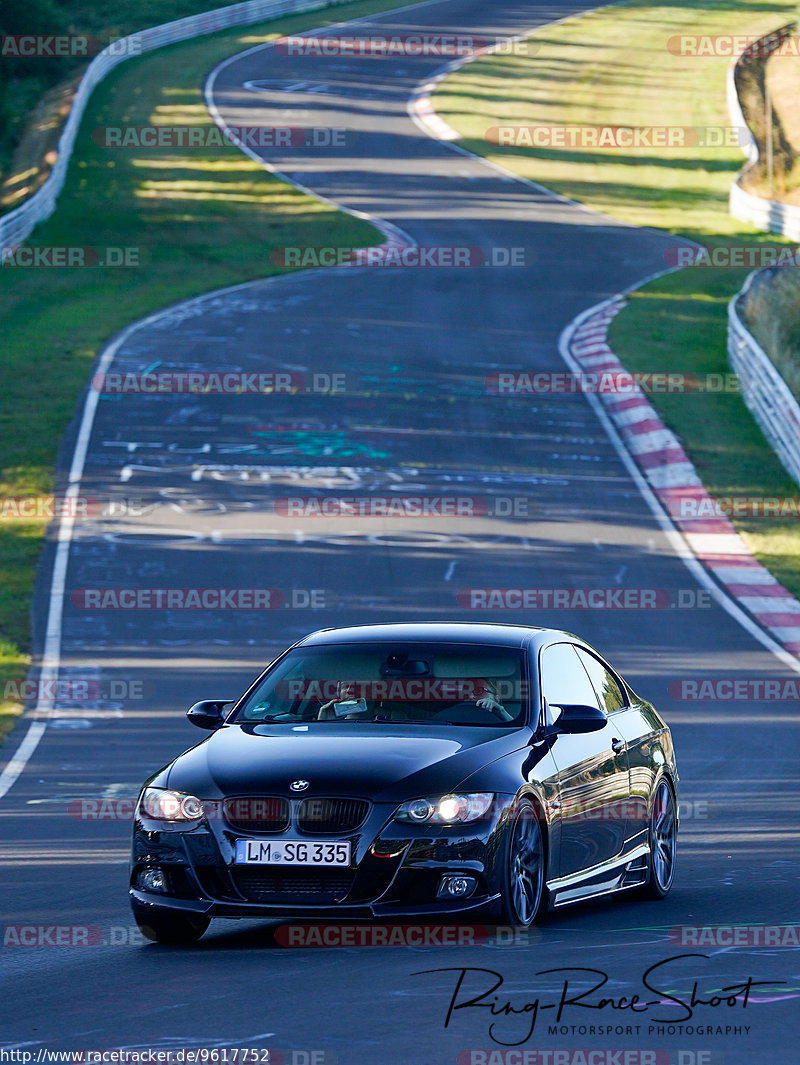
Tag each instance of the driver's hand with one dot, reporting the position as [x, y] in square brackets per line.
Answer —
[488, 702]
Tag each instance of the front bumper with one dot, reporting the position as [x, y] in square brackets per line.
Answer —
[373, 911]
[396, 871]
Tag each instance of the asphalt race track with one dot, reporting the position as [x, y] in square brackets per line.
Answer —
[201, 486]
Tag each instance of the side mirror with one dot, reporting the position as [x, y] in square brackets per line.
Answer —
[208, 713]
[576, 718]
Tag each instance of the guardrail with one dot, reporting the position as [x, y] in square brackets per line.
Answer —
[770, 216]
[17, 225]
[763, 389]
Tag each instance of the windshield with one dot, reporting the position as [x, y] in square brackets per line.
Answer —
[410, 683]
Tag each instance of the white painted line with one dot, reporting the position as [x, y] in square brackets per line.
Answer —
[606, 359]
[634, 393]
[717, 543]
[424, 91]
[674, 475]
[789, 634]
[596, 338]
[654, 440]
[390, 231]
[592, 342]
[677, 540]
[51, 655]
[639, 429]
[641, 413]
[770, 604]
[20, 759]
[752, 574]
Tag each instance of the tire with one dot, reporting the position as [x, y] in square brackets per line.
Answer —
[524, 868]
[663, 839]
[169, 926]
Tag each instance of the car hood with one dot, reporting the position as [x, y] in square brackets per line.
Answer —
[381, 762]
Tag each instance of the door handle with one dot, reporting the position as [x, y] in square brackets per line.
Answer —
[617, 745]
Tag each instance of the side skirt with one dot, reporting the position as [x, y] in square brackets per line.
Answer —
[618, 874]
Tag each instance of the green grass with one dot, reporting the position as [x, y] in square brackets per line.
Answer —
[686, 330]
[201, 219]
[613, 68]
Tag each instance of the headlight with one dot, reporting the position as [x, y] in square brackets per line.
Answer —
[447, 810]
[163, 805]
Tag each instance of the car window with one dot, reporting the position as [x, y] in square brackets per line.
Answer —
[564, 680]
[603, 682]
[403, 682]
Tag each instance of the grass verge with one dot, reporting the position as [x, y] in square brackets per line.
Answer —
[618, 67]
[199, 219]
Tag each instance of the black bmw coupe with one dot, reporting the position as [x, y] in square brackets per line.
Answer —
[397, 771]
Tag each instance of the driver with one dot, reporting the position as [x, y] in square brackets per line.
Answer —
[346, 692]
[484, 694]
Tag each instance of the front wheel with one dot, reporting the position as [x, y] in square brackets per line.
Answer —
[524, 890]
[169, 926]
[663, 837]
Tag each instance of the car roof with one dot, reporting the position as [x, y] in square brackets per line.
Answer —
[444, 631]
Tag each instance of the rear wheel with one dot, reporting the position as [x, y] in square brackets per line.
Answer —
[663, 837]
[524, 889]
[169, 926]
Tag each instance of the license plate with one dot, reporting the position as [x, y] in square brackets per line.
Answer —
[291, 852]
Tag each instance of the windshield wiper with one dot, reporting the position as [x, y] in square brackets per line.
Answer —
[408, 721]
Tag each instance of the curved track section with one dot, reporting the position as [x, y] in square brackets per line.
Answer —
[542, 501]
